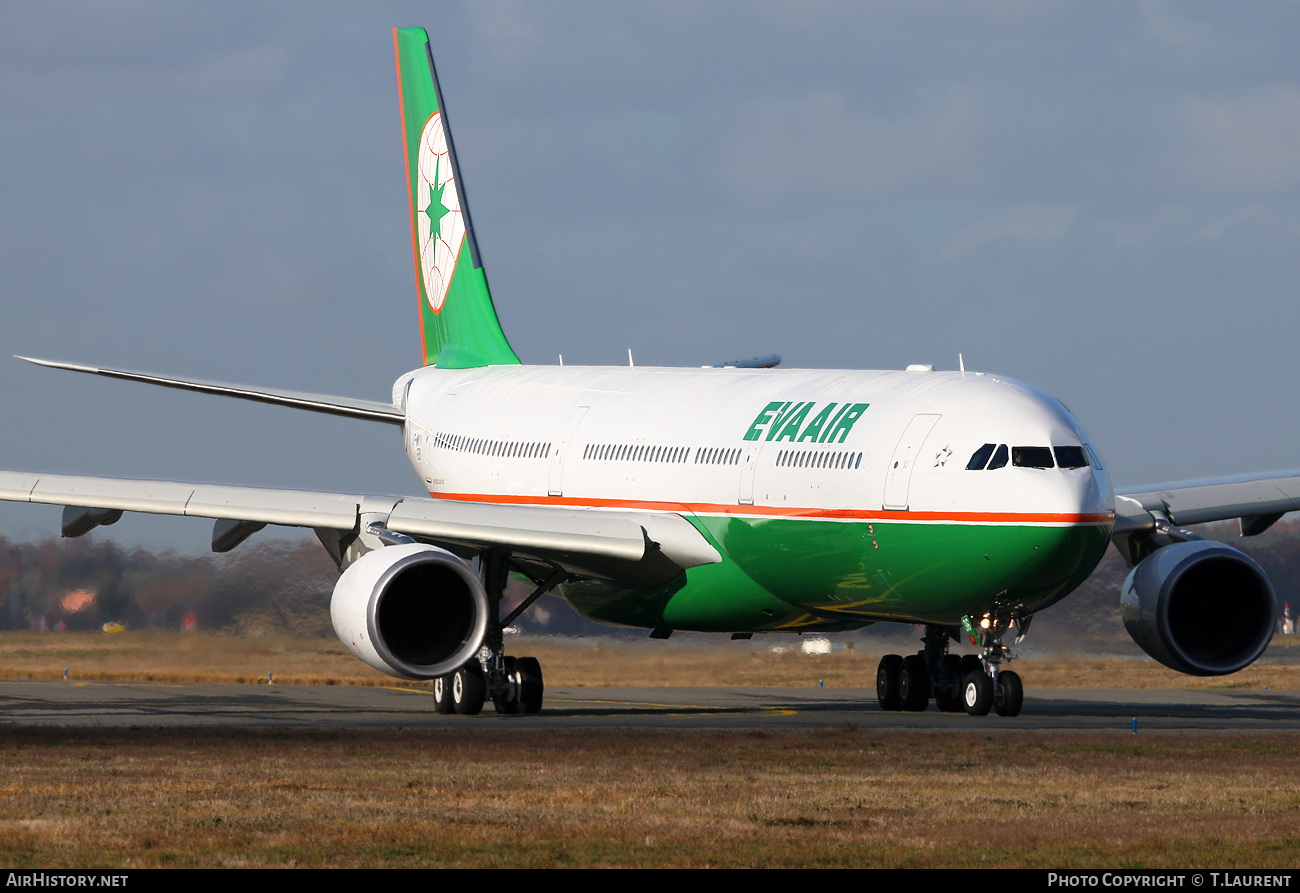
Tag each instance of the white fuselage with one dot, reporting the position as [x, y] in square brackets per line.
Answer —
[739, 441]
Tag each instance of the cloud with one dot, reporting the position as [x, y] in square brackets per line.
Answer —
[1037, 223]
[818, 144]
[1216, 228]
[1245, 142]
[1171, 27]
[1140, 232]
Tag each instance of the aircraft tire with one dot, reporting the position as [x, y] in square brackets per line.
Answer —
[977, 693]
[887, 682]
[1010, 696]
[914, 684]
[507, 702]
[442, 694]
[530, 685]
[468, 690]
[951, 701]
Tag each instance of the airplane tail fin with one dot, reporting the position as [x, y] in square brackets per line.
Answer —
[458, 322]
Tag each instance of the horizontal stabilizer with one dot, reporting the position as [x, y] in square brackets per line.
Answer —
[370, 410]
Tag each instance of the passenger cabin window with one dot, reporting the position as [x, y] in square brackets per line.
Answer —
[1031, 457]
[980, 458]
[1071, 457]
[817, 459]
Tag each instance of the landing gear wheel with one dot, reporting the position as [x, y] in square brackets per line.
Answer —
[468, 690]
[914, 683]
[949, 700]
[977, 693]
[1010, 695]
[891, 665]
[507, 701]
[442, 694]
[529, 672]
[968, 663]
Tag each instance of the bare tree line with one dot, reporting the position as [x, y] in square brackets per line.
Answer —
[285, 585]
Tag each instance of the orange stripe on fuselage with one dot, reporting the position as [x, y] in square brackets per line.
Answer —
[765, 511]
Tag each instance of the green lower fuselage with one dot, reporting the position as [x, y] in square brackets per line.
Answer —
[791, 574]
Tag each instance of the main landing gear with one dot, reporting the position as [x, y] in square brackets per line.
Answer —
[513, 684]
[970, 683]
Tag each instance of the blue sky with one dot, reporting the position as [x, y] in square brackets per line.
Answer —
[1097, 199]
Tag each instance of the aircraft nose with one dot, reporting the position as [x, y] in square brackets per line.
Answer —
[1081, 495]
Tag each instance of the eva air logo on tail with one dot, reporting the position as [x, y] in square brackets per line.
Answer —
[437, 213]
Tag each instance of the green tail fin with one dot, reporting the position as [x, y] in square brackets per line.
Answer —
[457, 320]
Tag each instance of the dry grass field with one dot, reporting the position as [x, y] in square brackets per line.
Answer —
[218, 657]
[840, 797]
[472, 797]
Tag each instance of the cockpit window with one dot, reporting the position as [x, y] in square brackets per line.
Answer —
[981, 458]
[1071, 457]
[1031, 457]
[999, 458]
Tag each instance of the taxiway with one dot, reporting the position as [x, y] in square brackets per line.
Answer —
[177, 705]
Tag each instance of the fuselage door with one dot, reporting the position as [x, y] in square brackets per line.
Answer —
[561, 448]
[748, 463]
[421, 447]
[898, 476]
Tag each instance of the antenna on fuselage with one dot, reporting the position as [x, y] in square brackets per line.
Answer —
[961, 364]
[561, 359]
[629, 357]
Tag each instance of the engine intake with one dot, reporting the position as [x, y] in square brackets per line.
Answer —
[1201, 608]
[412, 611]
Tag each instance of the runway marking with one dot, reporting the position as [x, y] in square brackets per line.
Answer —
[694, 709]
[627, 703]
[127, 682]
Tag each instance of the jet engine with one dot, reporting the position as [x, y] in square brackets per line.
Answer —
[1200, 607]
[413, 611]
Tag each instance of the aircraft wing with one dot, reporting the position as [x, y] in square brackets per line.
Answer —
[1257, 500]
[350, 407]
[637, 549]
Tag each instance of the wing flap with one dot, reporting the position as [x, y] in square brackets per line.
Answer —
[536, 530]
[543, 531]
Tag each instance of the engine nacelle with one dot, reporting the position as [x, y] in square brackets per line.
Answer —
[412, 611]
[1201, 608]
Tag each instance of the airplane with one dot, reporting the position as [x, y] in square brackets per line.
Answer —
[742, 498]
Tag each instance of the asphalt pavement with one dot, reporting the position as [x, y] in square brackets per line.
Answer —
[176, 705]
